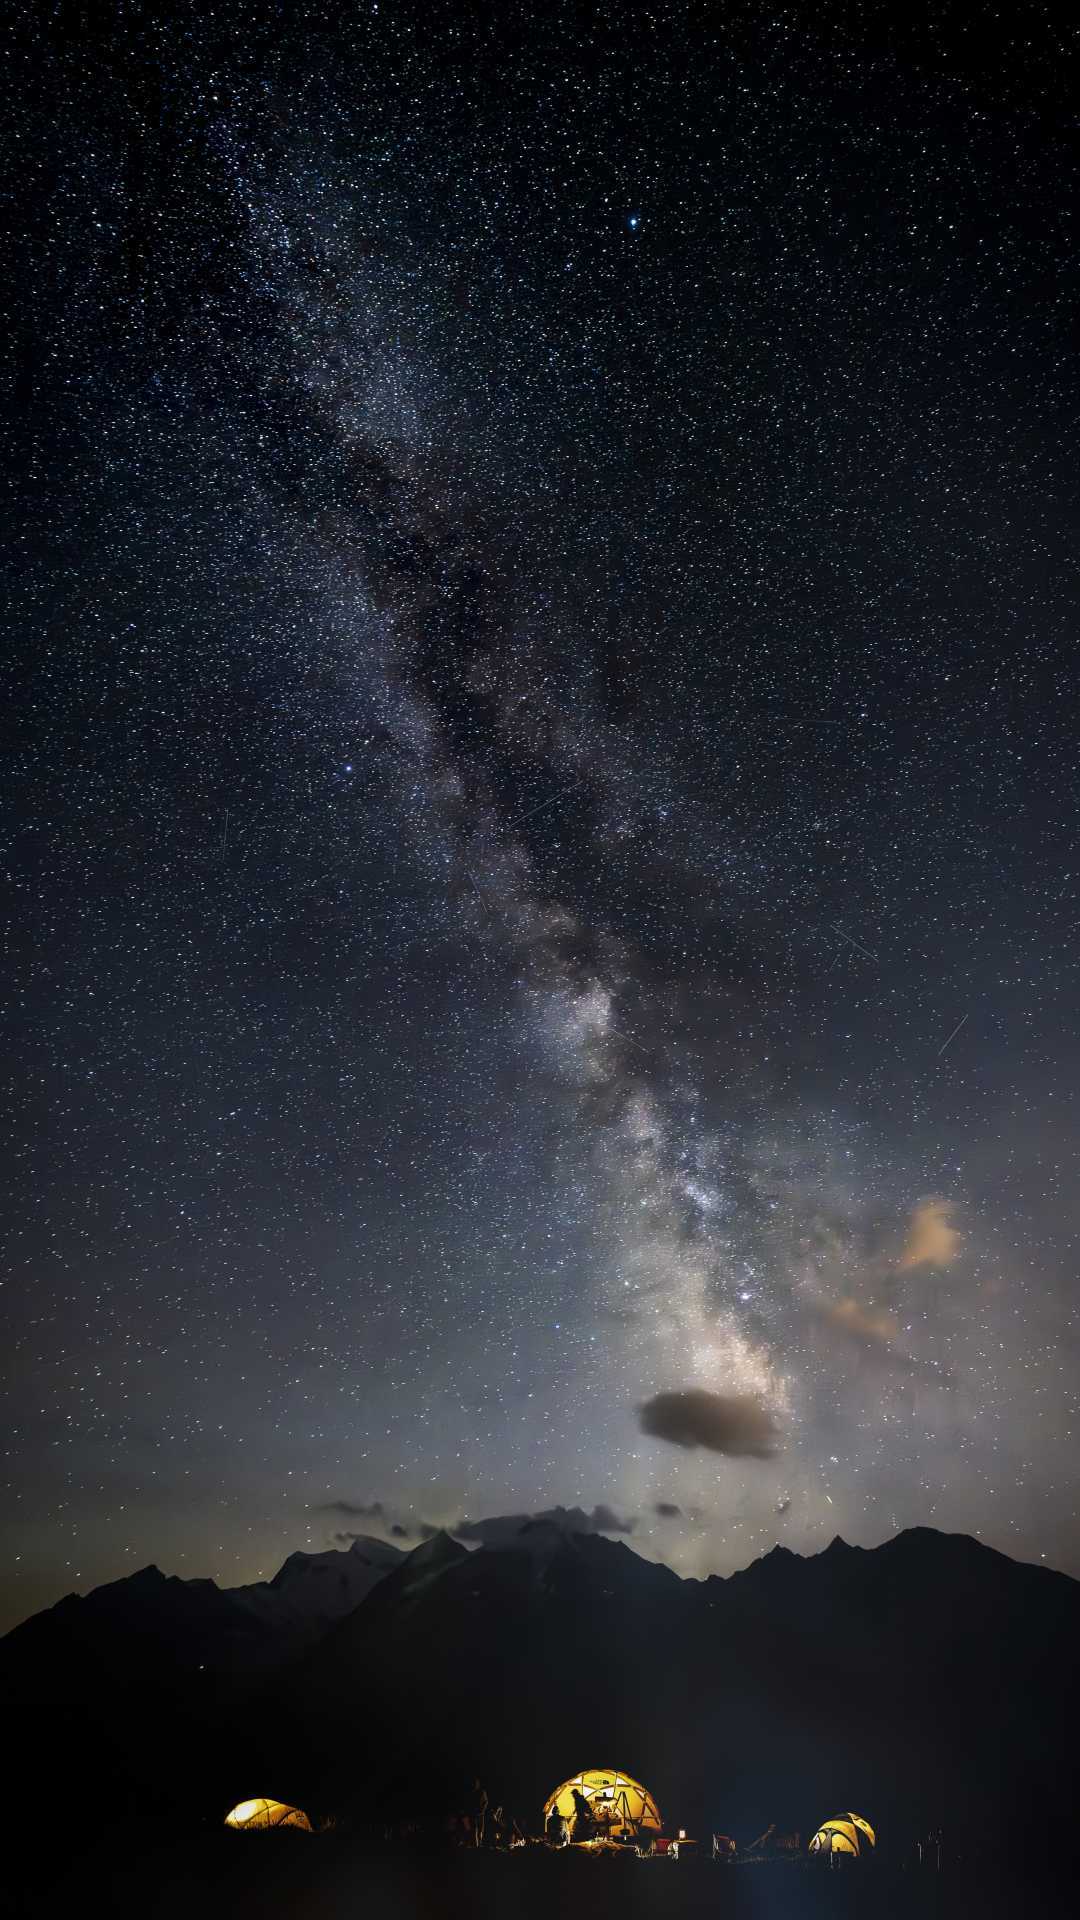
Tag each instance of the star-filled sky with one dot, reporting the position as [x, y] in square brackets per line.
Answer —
[540, 825]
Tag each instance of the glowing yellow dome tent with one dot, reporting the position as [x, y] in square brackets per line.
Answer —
[618, 1807]
[848, 1833]
[253, 1816]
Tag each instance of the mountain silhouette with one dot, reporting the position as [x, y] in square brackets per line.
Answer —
[313, 1590]
[928, 1682]
[154, 1630]
[930, 1678]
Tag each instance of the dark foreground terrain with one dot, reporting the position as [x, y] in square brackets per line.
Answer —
[930, 1684]
[330, 1877]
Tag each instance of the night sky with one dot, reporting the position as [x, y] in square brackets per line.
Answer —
[541, 806]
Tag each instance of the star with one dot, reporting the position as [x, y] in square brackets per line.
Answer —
[706, 927]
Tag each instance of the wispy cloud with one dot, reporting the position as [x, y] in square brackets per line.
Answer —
[864, 1321]
[501, 1529]
[354, 1510]
[932, 1241]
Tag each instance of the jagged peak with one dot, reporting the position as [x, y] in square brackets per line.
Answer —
[367, 1543]
[330, 1560]
[777, 1556]
[784, 1558]
[837, 1547]
[542, 1536]
[440, 1548]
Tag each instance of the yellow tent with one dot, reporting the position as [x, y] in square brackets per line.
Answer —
[848, 1833]
[618, 1807]
[253, 1815]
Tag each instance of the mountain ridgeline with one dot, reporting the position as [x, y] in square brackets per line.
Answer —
[929, 1682]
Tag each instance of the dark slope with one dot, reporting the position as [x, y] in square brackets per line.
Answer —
[147, 1686]
[313, 1590]
[156, 1630]
[145, 1630]
[929, 1681]
[930, 1678]
[457, 1654]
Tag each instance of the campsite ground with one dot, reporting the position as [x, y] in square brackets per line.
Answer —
[328, 1877]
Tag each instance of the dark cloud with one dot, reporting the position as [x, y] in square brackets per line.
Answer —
[347, 1537]
[735, 1424]
[667, 1510]
[606, 1520]
[353, 1510]
[380, 1516]
[502, 1529]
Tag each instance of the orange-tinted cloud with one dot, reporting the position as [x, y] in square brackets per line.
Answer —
[931, 1241]
[866, 1323]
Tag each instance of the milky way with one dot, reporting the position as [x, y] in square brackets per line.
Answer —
[544, 965]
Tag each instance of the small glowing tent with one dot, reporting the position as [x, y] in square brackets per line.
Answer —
[848, 1833]
[253, 1815]
[618, 1807]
